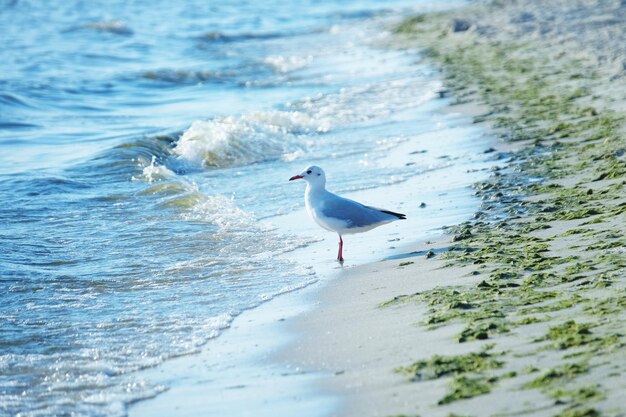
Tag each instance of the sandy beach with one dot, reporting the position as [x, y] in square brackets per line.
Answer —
[156, 260]
[520, 310]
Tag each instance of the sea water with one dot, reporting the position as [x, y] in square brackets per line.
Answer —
[145, 148]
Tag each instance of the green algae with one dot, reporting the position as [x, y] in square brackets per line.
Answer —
[607, 306]
[579, 412]
[441, 366]
[580, 395]
[530, 320]
[530, 369]
[620, 243]
[483, 307]
[399, 299]
[463, 387]
[558, 375]
[483, 330]
[569, 334]
[519, 254]
[560, 304]
[578, 267]
[404, 415]
[408, 24]
[575, 214]
[539, 279]
[468, 373]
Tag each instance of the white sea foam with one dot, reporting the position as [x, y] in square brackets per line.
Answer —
[222, 212]
[365, 102]
[246, 139]
[250, 138]
[284, 64]
[153, 172]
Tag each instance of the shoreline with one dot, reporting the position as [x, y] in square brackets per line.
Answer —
[253, 344]
[520, 310]
[356, 358]
[524, 313]
[236, 368]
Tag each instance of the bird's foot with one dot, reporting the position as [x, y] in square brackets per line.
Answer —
[340, 260]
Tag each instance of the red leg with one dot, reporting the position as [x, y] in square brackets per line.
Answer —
[340, 254]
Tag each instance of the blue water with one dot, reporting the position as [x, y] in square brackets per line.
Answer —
[144, 150]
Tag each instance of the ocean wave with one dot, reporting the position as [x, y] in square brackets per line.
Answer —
[224, 37]
[166, 188]
[131, 159]
[175, 192]
[46, 185]
[249, 36]
[284, 64]
[246, 139]
[12, 99]
[153, 172]
[110, 26]
[179, 76]
[16, 125]
[360, 14]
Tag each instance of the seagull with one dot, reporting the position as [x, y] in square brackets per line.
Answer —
[339, 214]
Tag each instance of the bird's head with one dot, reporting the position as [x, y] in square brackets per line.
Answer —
[313, 175]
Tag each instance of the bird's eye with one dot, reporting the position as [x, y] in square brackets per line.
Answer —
[309, 171]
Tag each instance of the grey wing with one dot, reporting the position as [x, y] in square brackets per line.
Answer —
[353, 213]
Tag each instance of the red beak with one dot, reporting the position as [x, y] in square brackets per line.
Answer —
[295, 177]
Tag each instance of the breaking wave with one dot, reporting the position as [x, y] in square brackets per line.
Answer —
[247, 139]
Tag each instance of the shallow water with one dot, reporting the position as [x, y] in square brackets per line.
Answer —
[144, 153]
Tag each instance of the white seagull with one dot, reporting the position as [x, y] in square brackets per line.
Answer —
[339, 214]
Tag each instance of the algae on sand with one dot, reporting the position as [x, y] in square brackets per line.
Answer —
[549, 235]
[441, 366]
[470, 374]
